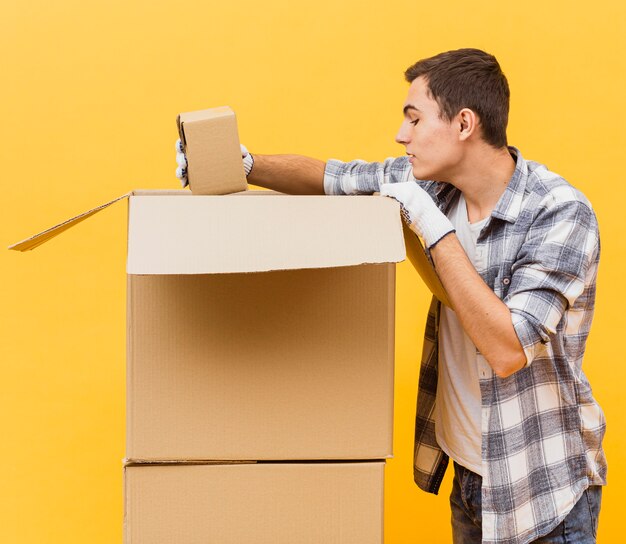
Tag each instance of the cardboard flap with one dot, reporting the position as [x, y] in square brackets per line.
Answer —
[42, 237]
[417, 255]
[217, 234]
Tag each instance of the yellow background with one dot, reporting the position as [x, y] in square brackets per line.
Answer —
[88, 103]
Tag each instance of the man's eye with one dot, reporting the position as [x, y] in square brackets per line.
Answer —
[415, 122]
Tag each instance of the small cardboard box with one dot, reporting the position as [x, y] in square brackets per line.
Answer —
[260, 325]
[264, 503]
[211, 143]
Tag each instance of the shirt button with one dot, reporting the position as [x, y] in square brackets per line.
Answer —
[506, 281]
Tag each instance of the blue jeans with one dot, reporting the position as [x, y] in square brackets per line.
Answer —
[579, 526]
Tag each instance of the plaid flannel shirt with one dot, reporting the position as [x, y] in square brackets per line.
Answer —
[542, 429]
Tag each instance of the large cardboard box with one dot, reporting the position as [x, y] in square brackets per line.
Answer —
[260, 326]
[264, 503]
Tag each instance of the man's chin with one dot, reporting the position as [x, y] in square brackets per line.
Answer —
[422, 173]
[426, 175]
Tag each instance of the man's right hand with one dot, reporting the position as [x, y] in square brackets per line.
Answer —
[181, 160]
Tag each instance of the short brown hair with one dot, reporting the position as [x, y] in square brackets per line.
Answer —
[468, 78]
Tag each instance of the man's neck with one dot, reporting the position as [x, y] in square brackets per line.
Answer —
[483, 178]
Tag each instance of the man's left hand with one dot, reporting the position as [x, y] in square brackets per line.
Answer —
[419, 209]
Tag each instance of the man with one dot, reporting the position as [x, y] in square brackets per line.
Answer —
[516, 247]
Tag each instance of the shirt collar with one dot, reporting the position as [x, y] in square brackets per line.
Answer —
[509, 205]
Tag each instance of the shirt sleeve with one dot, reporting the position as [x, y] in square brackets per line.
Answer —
[361, 177]
[551, 271]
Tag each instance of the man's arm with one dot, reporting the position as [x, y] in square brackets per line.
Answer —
[548, 276]
[290, 174]
[484, 317]
[300, 175]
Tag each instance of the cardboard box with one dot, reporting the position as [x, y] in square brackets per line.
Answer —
[293, 361]
[264, 503]
[211, 143]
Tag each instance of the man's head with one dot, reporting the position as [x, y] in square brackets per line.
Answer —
[455, 98]
[468, 78]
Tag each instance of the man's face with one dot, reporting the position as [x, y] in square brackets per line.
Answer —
[432, 143]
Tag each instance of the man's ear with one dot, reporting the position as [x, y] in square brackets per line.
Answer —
[467, 123]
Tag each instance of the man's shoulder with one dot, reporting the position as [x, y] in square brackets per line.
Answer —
[548, 189]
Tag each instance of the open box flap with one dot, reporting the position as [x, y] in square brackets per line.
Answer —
[42, 237]
[417, 255]
[234, 234]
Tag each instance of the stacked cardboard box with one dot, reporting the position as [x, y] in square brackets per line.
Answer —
[260, 366]
[268, 338]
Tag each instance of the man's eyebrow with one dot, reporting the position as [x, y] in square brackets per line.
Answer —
[410, 107]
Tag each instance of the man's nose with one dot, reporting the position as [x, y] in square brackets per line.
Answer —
[404, 134]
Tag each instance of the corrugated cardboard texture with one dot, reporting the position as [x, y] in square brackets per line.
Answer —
[211, 142]
[217, 234]
[323, 503]
[278, 365]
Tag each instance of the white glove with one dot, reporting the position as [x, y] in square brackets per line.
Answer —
[419, 210]
[181, 160]
[248, 160]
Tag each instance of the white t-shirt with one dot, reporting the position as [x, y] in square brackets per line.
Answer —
[458, 404]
